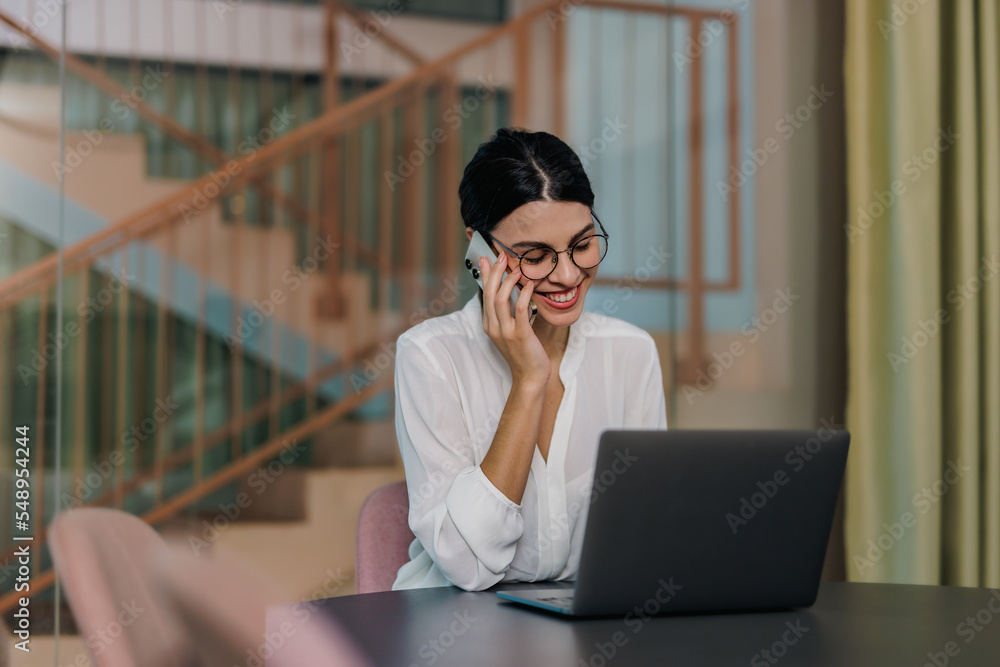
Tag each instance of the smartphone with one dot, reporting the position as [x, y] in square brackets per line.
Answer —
[480, 248]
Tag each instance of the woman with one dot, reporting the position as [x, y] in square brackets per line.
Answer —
[498, 421]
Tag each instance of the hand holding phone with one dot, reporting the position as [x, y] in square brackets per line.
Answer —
[520, 347]
[478, 247]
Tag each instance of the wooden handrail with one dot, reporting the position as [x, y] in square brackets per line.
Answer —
[180, 133]
[169, 210]
[363, 22]
[227, 475]
[41, 274]
[231, 429]
[250, 416]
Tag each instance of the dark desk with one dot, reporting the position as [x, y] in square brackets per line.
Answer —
[850, 625]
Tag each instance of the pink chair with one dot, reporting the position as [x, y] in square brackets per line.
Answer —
[225, 606]
[384, 538]
[104, 558]
[140, 603]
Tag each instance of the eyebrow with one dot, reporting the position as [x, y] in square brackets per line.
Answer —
[539, 244]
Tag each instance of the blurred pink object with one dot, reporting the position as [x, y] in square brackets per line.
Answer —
[104, 559]
[140, 603]
[225, 607]
[384, 538]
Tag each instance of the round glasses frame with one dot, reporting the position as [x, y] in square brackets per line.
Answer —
[555, 262]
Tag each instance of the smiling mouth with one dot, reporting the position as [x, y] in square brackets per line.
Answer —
[561, 297]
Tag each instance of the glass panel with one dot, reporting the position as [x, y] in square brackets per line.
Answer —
[218, 327]
[36, 341]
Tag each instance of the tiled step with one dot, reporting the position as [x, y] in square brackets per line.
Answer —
[264, 495]
[313, 557]
[357, 443]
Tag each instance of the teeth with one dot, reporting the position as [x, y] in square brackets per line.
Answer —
[562, 298]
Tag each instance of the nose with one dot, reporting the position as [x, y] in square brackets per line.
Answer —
[566, 271]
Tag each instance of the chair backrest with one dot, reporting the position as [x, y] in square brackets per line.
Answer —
[225, 606]
[384, 538]
[104, 559]
[140, 603]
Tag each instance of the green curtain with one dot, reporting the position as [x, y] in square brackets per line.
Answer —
[923, 126]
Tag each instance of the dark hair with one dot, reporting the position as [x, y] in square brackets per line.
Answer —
[516, 167]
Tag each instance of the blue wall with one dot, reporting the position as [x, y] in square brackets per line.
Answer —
[641, 177]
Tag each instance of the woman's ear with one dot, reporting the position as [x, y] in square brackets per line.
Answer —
[468, 232]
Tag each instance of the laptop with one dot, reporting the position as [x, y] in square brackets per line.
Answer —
[704, 521]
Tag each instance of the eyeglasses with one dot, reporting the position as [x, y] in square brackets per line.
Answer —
[538, 263]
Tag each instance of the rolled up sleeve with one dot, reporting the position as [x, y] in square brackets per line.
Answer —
[466, 525]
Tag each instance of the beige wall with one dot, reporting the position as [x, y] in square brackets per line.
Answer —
[788, 377]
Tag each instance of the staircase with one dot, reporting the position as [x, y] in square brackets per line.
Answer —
[252, 329]
[266, 286]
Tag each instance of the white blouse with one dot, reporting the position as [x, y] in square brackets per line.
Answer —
[451, 388]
